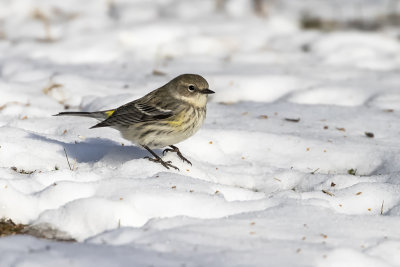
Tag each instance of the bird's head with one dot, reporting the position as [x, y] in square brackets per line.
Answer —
[190, 88]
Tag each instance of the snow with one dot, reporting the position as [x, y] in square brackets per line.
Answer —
[285, 169]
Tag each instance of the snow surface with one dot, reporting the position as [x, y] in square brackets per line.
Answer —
[272, 181]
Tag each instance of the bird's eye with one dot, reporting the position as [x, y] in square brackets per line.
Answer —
[191, 88]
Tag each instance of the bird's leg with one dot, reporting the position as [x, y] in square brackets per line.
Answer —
[157, 159]
[176, 150]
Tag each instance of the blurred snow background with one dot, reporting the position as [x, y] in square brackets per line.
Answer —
[296, 165]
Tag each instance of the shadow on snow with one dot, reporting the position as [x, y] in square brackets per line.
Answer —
[94, 149]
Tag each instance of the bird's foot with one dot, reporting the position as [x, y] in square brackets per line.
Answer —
[176, 150]
[166, 164]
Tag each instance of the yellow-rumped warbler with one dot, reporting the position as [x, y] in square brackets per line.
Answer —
[163, 117]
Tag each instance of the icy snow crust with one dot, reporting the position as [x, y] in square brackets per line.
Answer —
[265, 188]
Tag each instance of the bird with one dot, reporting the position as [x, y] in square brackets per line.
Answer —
[162, 118]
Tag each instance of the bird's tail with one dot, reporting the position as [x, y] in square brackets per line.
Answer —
[100, 115]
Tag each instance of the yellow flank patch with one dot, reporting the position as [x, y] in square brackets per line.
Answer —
[109, 113]
[178, 120]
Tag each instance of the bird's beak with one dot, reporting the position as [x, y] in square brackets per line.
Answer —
[207, 91]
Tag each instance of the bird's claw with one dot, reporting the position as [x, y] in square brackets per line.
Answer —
[166, 164]
[167, 150]
[176, 150]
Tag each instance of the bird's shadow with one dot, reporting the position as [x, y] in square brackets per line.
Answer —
[94, 149]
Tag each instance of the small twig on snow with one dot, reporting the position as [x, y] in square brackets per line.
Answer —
[66, 155]
[328, 193]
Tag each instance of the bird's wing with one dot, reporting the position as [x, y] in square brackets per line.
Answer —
[135, 112]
